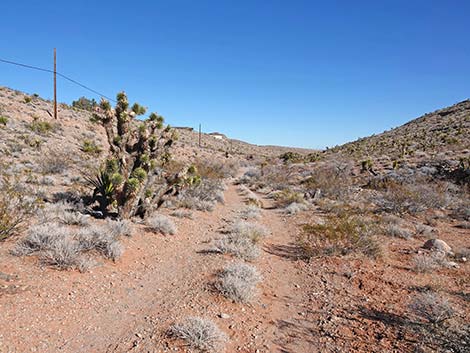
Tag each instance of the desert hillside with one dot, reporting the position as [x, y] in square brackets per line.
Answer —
[443, 134]
[123, 235]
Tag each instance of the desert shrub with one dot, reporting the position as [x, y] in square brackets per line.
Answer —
[340, 234]
[119, 228]
[332, 178]
[16, 206]
[250, 212]
[62, 212]
[286, 197]
[423, 263]
[85, 104]
[27, 99]
[238, 282]
[41, 127]
[100, 239]
[252, 231]
[161, 224]
[216, 169]
[250, 176]
[3, 120]
[412, 198]
[182, 214]
[199, 334]
[291, 157]
[424, 230]
[202, 196]
[54, 162]
[394, 230]
[63, 248]
[238, 246]
[432, 308]
[295, 208]
[63, 253]
[90, 147]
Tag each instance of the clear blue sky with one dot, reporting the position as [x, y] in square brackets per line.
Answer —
[299, 73]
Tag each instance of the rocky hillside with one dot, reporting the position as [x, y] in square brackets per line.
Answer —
[28, 131]
[443, 134]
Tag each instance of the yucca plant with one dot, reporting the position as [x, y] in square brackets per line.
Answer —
[133, 178]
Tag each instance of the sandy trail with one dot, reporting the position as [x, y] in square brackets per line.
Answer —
[129, 305]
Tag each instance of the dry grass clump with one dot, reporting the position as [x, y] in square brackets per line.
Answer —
[238, 282]
[119, 228]
[250, 212]
[161, 224]
[412, 198]
[394, 230]
[295, 208]
[240, 247]
[204, 196]
[182, 214]
[242, 241]
[423, 263]
[332, 177]
[252, 231]
[199, 334]
[64, 248]
[16, 206]
[286, 197]
[432, 308]
[62, 212]
[340, 235]
[54, 162]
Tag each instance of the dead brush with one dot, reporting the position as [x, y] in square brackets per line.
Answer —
[238, 281]
[286, 197]
[340, 235]
[199, 333]
[432, 308]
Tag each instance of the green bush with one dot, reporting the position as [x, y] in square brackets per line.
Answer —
[90, 147]
[3, 120]
[41, 127]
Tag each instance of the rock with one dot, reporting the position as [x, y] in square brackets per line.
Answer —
[437, 244]
[224, 316]
[452, 264]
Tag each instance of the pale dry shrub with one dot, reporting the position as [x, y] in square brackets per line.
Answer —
[432, 308]
[423, 263]
[398, 232]
[182, 214]
[250, 212]
[62, 212]
[119, 228]
[55, 245]
[204, 196]
[252, 231]
[240, 247]
[238, 281]
[161, 224]
[100, 239]
[424, 230]
[199, 333]
[295, 207]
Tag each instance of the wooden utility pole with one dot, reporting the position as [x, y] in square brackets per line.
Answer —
[55, 84]
[199, 135]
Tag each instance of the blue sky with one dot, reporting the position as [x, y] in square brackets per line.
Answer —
[295, 73]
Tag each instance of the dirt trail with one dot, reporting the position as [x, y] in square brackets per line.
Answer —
[128, 306]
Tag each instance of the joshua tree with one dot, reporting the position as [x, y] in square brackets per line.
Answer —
[132, 178]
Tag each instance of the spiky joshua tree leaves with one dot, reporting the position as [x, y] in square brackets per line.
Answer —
[132, 178]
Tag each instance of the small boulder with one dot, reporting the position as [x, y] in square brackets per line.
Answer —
[439, 245]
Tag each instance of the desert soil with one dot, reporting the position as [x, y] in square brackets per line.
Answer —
[129, 305]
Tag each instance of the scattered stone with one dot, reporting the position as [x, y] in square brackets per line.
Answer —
[437, 244]
[224, 316]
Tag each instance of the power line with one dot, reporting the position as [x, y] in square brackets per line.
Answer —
[58, 74]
